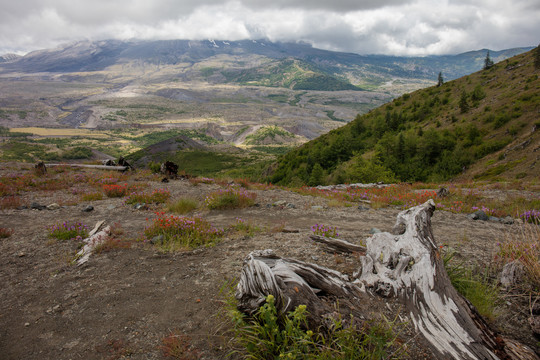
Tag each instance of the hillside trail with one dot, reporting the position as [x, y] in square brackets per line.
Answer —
[122, 303]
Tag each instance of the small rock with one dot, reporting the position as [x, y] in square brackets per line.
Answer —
[443, 192]
[53, 206]
[21, 254]
[479, 215]
[24, 207]
[363, 208]
[280, 203]
[512, 274]
[316, 207]
[27, 324]
[157, 240]
[88, 208]
[507, 220]
[111, 207]
[315, 258]
[36, 206]
[140, 206]
[290, 206]
[374, 231]
[495, 219]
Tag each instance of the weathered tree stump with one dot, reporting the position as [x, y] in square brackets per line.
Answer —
[405, 265]
[40, 168]
[169, 169]
[339, 245]
[123, 162]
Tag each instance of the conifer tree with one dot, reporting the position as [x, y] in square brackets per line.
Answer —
[488, 63]
[537, 57]
[440, 80]
[463, 103]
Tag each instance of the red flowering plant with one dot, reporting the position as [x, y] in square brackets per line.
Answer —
[176, 233]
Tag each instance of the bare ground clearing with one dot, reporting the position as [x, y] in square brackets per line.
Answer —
[122, 303]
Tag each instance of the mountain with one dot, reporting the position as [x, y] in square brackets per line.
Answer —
[481, 126]
[9, 57]
[96, 56]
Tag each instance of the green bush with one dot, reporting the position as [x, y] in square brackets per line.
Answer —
[269, 336]
[230, 198]
[182, 206]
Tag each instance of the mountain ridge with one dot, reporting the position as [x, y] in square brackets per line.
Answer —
[97, 55]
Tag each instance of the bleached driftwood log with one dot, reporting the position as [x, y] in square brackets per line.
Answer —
[406, 265]
[93, 240]
[100, 167]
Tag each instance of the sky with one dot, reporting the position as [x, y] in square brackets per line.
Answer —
[391, 27]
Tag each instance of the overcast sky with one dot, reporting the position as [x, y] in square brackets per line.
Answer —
[395, 27]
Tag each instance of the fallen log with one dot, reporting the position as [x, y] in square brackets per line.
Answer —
[406, 266]
[101, 167]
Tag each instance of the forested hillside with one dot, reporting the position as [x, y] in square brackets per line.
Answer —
[482, 126]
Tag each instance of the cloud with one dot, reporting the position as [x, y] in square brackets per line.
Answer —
[410, 27]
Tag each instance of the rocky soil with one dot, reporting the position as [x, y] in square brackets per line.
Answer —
[123, 302]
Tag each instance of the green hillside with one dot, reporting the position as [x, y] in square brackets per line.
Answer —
[482, 126]
[289, 73]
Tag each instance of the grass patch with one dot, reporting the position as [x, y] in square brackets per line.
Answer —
[230, 198]
[92, 196]
[524, 246]
[479, 290]
[182, 206]
[243, 228]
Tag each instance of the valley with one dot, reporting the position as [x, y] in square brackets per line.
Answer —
[261, 97]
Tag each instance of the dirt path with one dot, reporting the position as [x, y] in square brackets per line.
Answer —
[122, 303]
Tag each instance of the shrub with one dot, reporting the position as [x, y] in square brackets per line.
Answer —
[324, 230]
[66, 231]
[182, 232]
[10, 202]
[531, 216]
[269, 336]
[114, 190]
[5, 232]
[158, 196]
[92, 196]
[178, 346]
[154, 167]
[182, 206]
[230, 198]
[244, 228]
